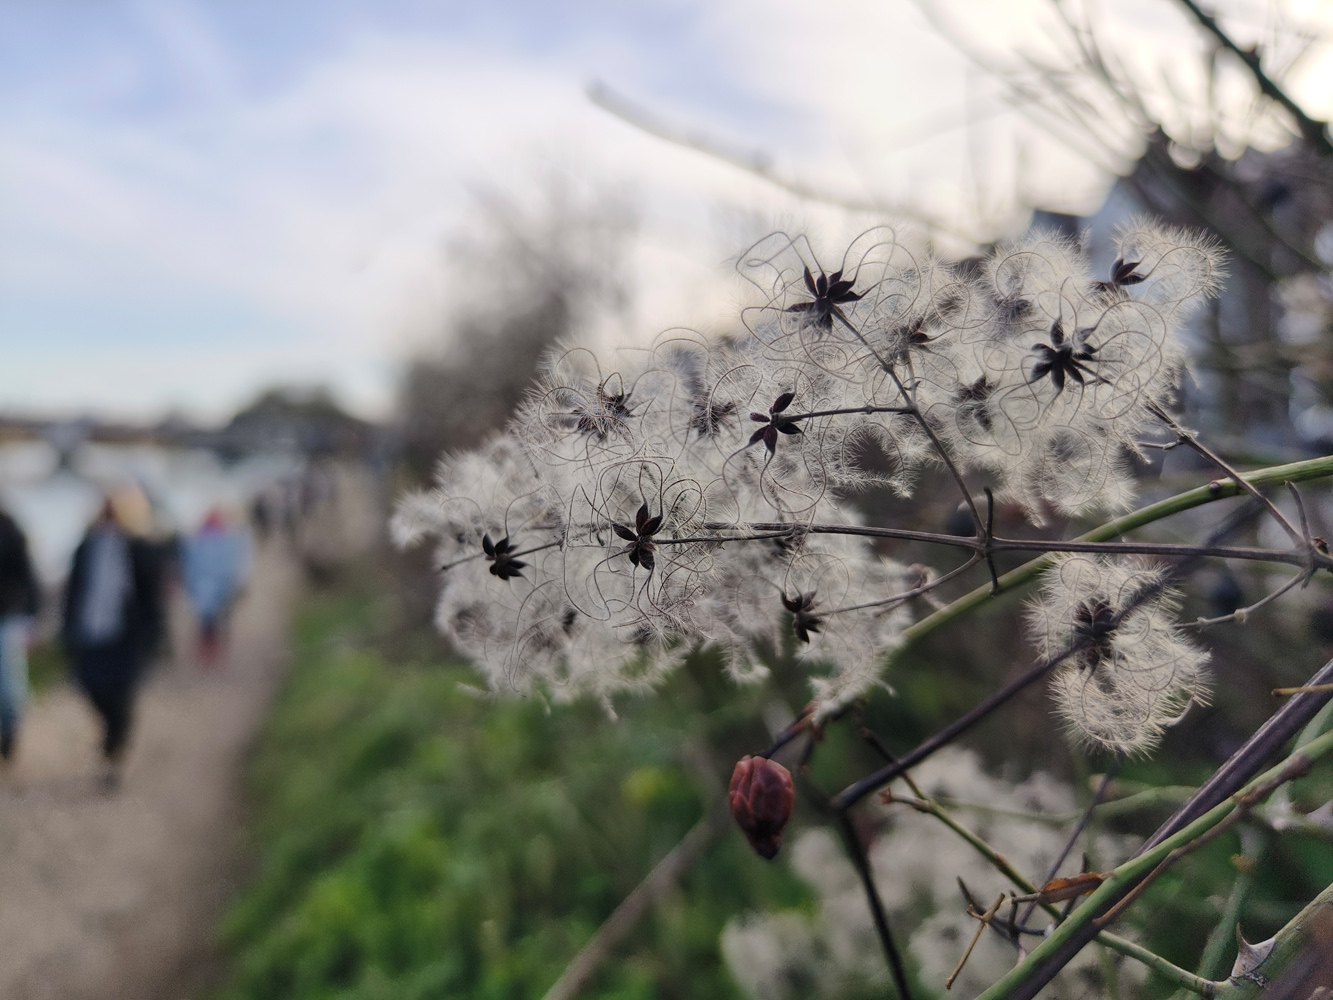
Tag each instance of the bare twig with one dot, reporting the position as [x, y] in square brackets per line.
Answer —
[861, 861]
[758, 164]
[1314, 132]
[1097, 798]
[1193, 442]
[983, 919]
[664, 875]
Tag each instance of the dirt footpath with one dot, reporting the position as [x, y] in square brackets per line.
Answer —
[116, 897]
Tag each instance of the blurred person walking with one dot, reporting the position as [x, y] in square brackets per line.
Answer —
[215, 564]
[114, 616]
[18, 604]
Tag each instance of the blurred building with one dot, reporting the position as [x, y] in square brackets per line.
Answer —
[1263, 350]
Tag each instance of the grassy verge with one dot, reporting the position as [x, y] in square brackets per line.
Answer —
[417, 840]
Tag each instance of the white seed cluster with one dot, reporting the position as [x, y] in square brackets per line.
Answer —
[1135, 673]
[647, 501]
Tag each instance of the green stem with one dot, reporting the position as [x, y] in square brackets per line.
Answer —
[1132, 872]
[1296, 472]
[1213, 962]
[1163, 795]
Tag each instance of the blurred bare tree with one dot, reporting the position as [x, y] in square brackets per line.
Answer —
[533, 271]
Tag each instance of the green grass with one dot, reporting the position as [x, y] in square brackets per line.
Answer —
[415, 839]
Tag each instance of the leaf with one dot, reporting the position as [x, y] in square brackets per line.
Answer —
[487, 545]
[641, 517]
[782, 402]
[651, 526]
[626, 533]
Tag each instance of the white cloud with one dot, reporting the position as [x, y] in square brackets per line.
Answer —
[320, 199]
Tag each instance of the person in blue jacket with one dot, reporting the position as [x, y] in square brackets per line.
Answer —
[215, 565]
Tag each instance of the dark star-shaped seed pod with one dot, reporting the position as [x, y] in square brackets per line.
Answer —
[640, 548]
[830, 293]
[910, 337]
[774, 423]
[761, 795]
[707, 415]
[500, 556]
[607, 415]
[1123, 274]
[804, 620]
[1063, 359]
[1095, 624]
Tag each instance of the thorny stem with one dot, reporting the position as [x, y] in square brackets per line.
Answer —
[1211, 963]
[1296, 961]
[1031, 974]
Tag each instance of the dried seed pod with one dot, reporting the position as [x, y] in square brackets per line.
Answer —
[762, 797]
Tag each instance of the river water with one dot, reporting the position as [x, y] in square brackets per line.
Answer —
[54, 501]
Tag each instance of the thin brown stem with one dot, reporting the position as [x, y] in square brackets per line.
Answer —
[861, 862]
[843, 412]
[897, 600]
[1193, 442]
[1314, 132]
[1097, 798]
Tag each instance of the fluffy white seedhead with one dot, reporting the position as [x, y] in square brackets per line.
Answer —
[1135, 673]
[645, 502]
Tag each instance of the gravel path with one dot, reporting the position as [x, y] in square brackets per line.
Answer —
[115, 897]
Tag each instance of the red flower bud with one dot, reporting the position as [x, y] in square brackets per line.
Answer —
[762, 797]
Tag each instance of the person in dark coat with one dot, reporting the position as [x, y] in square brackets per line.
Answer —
[18, 605]
[114, 618]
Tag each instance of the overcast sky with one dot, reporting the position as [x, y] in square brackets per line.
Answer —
[201, 198]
